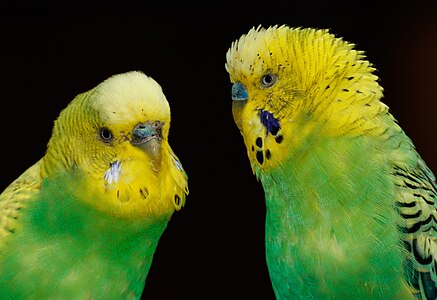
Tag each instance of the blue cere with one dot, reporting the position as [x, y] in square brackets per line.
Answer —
[239, 92]
[270, 122]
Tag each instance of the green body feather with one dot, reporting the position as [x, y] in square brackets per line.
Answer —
[63, 248]
[331, 220]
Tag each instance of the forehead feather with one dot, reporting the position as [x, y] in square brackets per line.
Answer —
[252, 50]
[130, 97]
[264, 50]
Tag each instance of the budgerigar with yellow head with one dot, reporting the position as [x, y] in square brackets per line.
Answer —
[351, 206]
[85, 220]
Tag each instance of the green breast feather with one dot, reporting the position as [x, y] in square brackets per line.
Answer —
[58, 247]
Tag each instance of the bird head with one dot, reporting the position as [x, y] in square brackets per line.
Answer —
[116, 137]
[291, 85]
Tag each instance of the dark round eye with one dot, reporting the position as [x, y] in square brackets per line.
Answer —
[106, 135]
[268, 80]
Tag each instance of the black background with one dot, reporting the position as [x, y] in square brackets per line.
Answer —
[214, 247]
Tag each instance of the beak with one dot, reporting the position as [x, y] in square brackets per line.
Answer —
[148, 136]
[237, 110]
[239, 99]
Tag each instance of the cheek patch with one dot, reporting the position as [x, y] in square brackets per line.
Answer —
[113, 173]
[270, 122]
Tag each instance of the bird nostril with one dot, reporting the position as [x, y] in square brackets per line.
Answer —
[143, 132]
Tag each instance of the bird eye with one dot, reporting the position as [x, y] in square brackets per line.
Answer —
[268, 80]
[106, 135]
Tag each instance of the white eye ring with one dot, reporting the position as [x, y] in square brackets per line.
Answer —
[106, 135]
[268, 80]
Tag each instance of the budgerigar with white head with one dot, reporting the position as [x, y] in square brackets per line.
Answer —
[351, 205]
[85, 220]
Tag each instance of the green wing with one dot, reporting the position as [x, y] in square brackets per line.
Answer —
[14, 198]
[416, 202]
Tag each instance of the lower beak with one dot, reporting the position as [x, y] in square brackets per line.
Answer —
[237, 110]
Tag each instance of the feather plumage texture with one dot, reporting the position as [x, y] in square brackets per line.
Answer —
[351, 205]
[85, 220]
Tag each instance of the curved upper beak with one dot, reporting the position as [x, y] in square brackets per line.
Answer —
[148, 136]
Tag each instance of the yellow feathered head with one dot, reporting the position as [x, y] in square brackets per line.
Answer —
[289, 83]
[115, 137]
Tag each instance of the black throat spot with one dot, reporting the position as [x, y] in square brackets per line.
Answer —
[270, 122]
